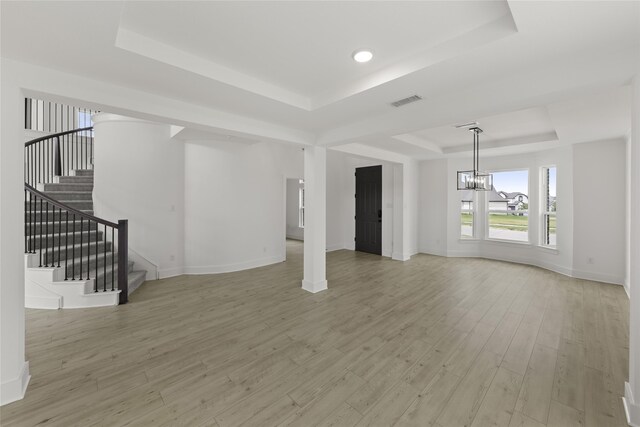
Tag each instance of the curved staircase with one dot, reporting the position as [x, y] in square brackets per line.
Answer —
[73, 259]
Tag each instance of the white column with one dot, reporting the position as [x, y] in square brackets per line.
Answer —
[399, 216]
[14, 369]
[405, 199]
[632, 388]
[315, 219]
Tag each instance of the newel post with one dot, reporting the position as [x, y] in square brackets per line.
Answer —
[123, 260]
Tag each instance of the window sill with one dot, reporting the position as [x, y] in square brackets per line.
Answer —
[550, 249]
[512, 242]
[468, 240]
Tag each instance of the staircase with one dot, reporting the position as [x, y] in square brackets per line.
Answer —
[73, 259]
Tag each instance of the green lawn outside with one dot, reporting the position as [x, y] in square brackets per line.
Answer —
[506, 222]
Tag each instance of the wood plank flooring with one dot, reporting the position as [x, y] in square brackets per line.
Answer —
[429, 342]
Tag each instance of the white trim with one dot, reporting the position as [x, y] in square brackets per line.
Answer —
[631, 408]
[627, 288]
[292, 237]
[170, 272]
[336, 247]
[14, 389]
[598, 277]
[432, 251]
[314, 287]
[399, 256]
[585, 275]
[228, 268]
[501, 241]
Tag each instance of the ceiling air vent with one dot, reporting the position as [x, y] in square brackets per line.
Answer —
[405, 101]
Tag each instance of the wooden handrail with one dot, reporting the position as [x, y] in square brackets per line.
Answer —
[61, 205]
[56, 135]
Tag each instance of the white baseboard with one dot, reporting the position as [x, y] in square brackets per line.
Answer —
[399, 256]
[627, 288]
[170, 272]
[336, 247]
[14, 389]
[598, 277]
[314, 287]
[585, 275]
[228, 268]
[432, 251]
[631, 408]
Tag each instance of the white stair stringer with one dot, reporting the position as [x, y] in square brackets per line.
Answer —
[45, 288]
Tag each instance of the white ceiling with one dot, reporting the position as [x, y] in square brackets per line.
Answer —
[533, 74]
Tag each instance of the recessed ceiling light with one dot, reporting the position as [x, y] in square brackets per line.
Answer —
[362, 55]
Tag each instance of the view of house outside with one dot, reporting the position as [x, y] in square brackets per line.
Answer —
[508, 203]
[509, 206]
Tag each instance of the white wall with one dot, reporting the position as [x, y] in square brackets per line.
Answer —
[14, 370]
[234, 197]
[139, 176]
[432, 212]
[600, 197]
[294, 231]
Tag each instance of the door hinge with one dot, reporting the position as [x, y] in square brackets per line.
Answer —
[354, 239]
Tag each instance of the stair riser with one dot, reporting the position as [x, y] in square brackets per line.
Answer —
[50, 241]
[74, 180]
[82, 172]
[57, 216]
[85, 196]
[101, 276]
[69, 253]
[56, 227]
[74, 268]
[88, 187]
[76, 204]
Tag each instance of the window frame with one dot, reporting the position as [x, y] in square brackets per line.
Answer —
[301, 203]
[545, 213]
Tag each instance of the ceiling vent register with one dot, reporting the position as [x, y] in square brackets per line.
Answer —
[405, 101]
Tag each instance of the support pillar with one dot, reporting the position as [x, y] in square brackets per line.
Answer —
[315, 219]
[632, 388]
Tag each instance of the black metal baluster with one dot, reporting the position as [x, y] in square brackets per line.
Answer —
[113, 254]
[66, 245]
[46, 160]
[26, 241]
[104, 254]
[81, 220]
[46, 227]
[59, 233]
[96, 246]
[73, 250]
[40, 227]
[89, 249]
[49, 121]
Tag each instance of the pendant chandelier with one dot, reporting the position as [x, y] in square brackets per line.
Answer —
[474, 179]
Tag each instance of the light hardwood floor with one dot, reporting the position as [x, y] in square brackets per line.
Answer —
[432, 341]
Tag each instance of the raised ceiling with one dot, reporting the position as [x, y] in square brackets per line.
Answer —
[531, 72]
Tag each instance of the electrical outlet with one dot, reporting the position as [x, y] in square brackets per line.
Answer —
[172, 257]
[590, 260]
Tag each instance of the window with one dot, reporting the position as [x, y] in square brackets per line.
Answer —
[467, 202]
[508, 206]
[549, 206]
[301, 204]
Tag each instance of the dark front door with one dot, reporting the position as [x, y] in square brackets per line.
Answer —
[369, 209]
